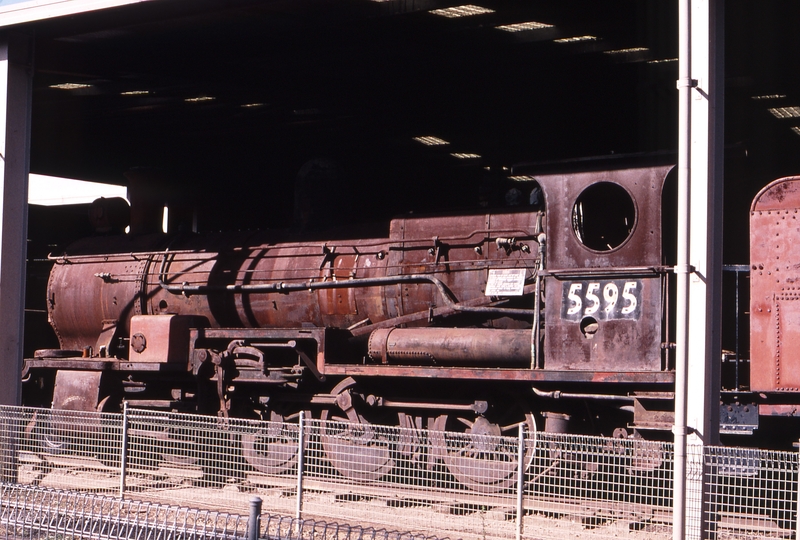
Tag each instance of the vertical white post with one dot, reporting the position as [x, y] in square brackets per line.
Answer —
[300, 464]
[16, 72]
[699, 257]
[705, 243]
[520, 478]
[682, 270]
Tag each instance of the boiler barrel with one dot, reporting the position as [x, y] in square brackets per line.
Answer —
[256, 280]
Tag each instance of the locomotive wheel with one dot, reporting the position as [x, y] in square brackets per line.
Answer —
[54, 434]
[271, 450]
[479, 458]
[70, 431]
[178, 446]
[356, 448]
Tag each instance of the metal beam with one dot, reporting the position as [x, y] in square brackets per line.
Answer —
[16, 74]
[705, 242]
[699, 261]
[21, 11]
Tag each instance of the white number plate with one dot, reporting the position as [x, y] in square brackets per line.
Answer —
[603, 300]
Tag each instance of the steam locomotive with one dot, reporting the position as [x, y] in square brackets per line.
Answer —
[555, 315]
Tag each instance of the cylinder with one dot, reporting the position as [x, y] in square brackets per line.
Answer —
[556, 422]
[430, 346]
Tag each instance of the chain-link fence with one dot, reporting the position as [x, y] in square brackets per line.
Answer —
[461, 485]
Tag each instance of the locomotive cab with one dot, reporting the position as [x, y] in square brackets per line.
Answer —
[606, 281]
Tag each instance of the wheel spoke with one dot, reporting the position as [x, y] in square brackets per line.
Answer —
[479, 458]
[272, 449]
[466, 422]
[357, 452]
[512, 427]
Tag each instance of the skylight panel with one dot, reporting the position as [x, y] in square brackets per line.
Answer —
[627, 51]
[576, 39]
[785, 112]
[70, 86]
[430, 140]
[524, 26]
[466, 10]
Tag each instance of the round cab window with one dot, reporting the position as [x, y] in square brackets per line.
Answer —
[603, 216]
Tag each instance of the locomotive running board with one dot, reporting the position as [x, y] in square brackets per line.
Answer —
[658, 377]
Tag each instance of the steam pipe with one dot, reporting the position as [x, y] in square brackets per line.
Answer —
[282, 287]
[558, 394]
[536, 332]
[682, 267]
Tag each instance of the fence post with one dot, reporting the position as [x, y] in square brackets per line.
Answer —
[797, 496]
[520, 477]
[300, 462]
[254, 523]
[123, 460]
[9, 443]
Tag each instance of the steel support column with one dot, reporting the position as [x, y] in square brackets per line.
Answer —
[700, 164]
[16, 73]
[705, 233]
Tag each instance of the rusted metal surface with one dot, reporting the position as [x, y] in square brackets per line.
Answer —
[249, 280]
[771, 409]
[81, 364]
[161, 338]
[77, 390]
[599, 322]
[499, 374]
[434, 345]
[274, 320]
[775, 287]
[311, 342]
[643, 246]
[651, 414]
[117, 287]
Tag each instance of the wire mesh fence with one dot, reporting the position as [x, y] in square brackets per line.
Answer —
[472, 484]
[751, 492]
[28, 512]
[38, 513]
[39, 443]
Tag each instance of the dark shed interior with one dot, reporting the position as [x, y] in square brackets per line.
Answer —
[370, 108]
